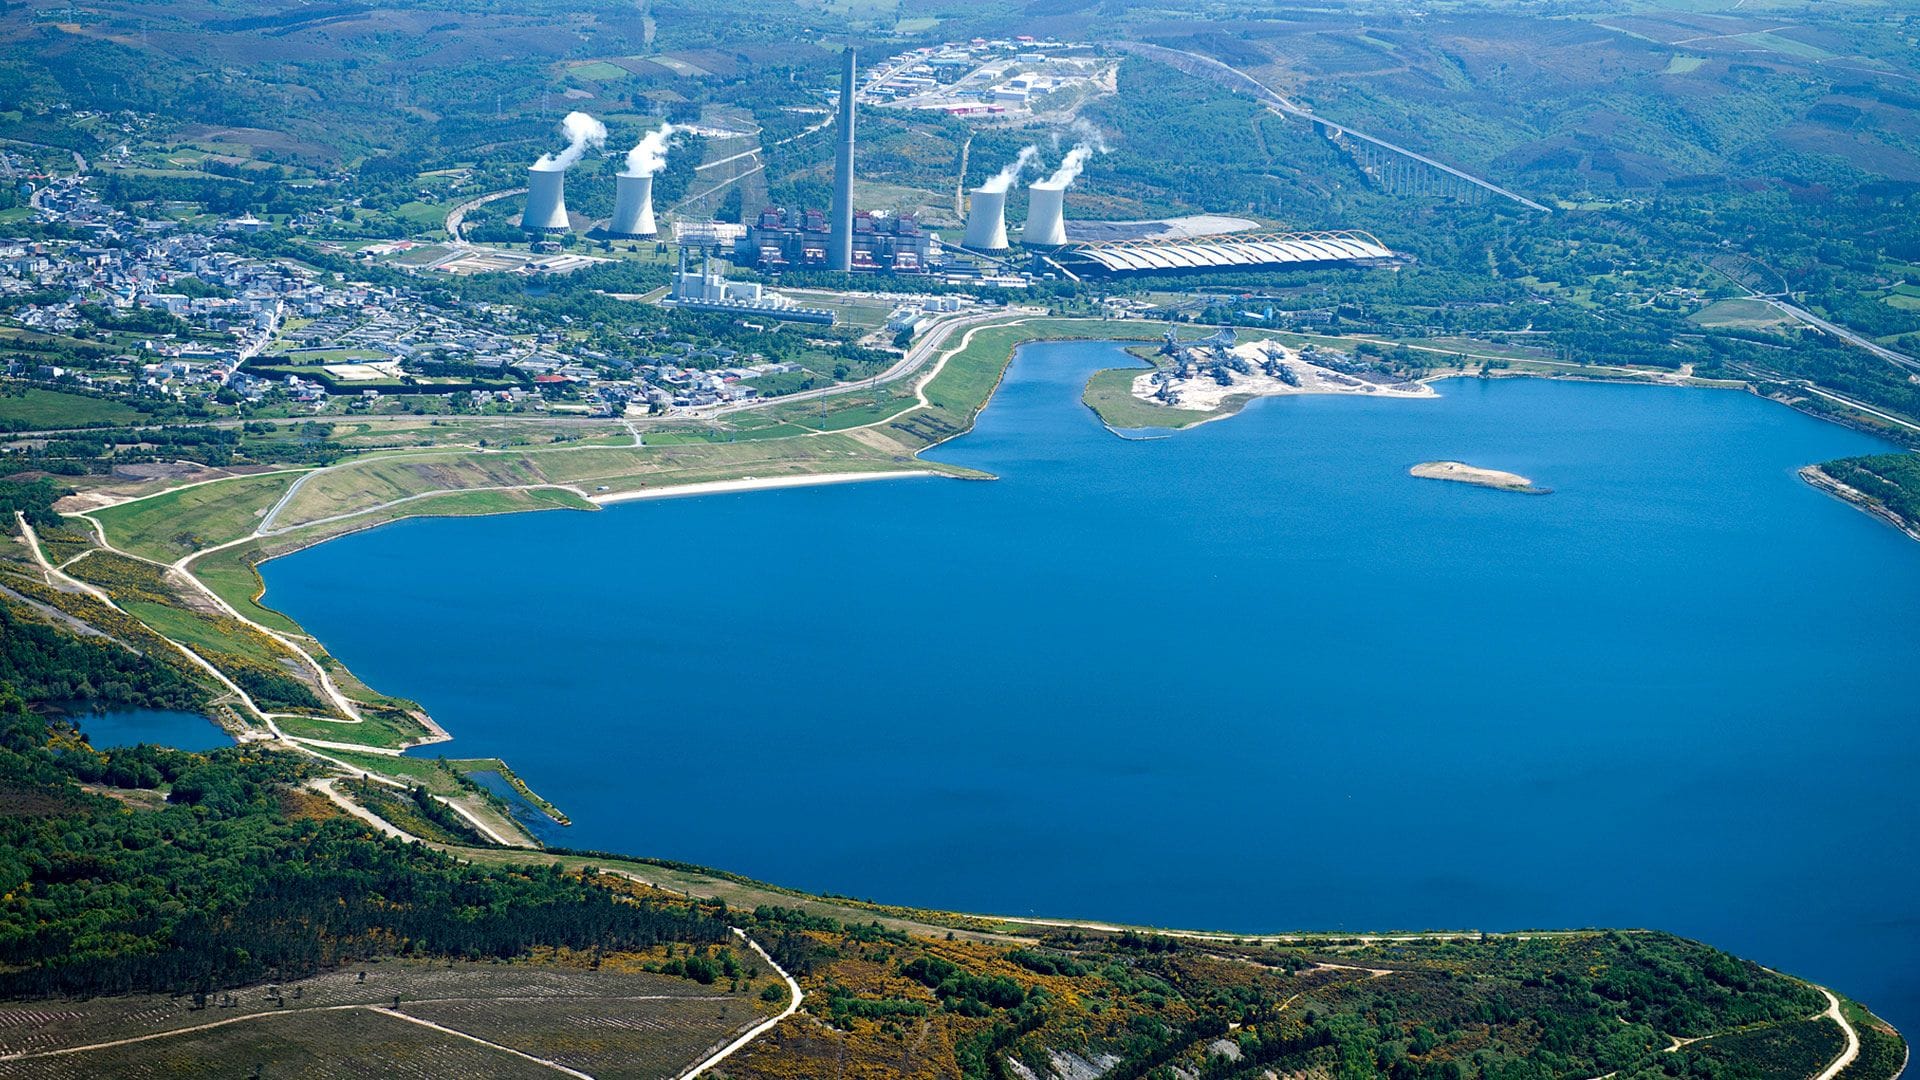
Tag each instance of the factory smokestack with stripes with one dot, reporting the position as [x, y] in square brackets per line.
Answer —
[840, 236]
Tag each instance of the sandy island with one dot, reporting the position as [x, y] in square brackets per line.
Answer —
[1462, 473]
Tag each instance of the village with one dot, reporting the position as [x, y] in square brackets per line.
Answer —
[165, 310]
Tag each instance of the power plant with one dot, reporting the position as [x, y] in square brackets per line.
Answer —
[1046, 201]
[1046, 215]
[986, 220]
[844, 239]
[546, 178]
[546, 200]
[987, 210]
[840, 238]
[633, 207]
[633, 190]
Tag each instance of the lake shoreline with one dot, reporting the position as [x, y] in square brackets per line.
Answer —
[1055, 375]
[752, 483]
[1817, 477]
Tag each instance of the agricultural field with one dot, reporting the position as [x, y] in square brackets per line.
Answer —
[1741, 314]
[36, 409]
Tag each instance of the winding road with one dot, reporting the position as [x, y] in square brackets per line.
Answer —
[1852, 1051]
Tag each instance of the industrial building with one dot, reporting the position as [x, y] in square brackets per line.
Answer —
[782, 239]
[546, 178]
[707, 290]
[1232, 251]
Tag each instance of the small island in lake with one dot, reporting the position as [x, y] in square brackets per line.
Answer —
[1462, 473]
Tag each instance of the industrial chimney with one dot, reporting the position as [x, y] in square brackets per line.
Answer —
[987, 220]
[840, 240]
[1046, 224]
[632, 207]
[546, 200]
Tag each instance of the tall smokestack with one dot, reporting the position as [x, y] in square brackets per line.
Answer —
[840, 241]
[987, 220]
[632, 206]
[546, 200]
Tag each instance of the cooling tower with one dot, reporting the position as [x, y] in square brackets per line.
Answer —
[632, 206]
[840, 241]
[546, 201]
[987, 221]
[1046, 225]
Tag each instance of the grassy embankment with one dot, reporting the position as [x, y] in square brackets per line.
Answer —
[176, 524]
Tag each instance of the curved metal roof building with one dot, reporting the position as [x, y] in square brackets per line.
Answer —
[1253, 251]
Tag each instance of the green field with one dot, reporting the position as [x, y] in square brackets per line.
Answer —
[599, 71]
[202, 633]
[430, 773]
[1739, 313]
[35, 409]
[1109, 394]
[231, 575]
[171, 526]
[381, 729]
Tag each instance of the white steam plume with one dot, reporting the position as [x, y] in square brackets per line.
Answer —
[1004, 179]
[1089, 134]
[650, 156]
[581, 131]
[1070, 166]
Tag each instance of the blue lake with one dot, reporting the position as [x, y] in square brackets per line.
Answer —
[1252, 676]
[130, 727]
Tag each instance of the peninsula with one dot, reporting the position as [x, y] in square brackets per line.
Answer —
[1886, 486]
